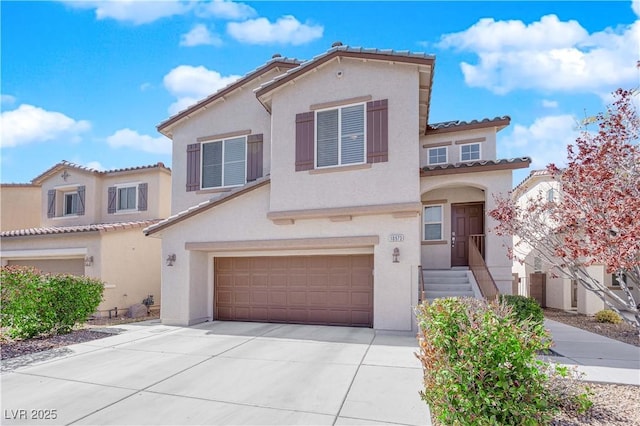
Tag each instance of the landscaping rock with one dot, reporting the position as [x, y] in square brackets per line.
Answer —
[137, 311]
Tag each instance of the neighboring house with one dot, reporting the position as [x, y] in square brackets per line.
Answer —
[25, 195]
[312, 192]
[90, 223]
[559, 292]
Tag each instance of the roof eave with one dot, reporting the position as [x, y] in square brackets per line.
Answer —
[499, 124]
[521, 163]
[165, 126]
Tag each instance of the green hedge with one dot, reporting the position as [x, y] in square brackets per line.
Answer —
[480, 365]
[524, 307]
[35, 304]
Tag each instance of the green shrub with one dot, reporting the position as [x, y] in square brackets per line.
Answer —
[608, 316]
[34, 304]
[524, 307]
[480, 365]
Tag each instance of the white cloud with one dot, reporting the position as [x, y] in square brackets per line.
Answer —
[224, 9]
[545, 140]
[548, 54]
[127, 138]
[28, 124]
[549, 103]
[200, 35]
[134, 11]
[286, 30]
[7, 99]
[635, 6]
[145, 86]
[190, 84]
[95, 165]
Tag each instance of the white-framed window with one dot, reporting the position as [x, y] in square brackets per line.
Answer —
[432, 220]
[437, 155]
[537, 264]
[470, 152]
[127, 198]
[340, 136]
[224, 163]
[551, 195]
[70, 207]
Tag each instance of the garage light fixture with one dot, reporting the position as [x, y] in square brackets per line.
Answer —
[88, 260]
[171, 259]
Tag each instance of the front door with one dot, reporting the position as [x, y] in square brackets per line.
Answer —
[466, 219]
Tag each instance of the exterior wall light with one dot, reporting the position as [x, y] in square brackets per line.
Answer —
[171, 259]
[88, 260]
[396, 255]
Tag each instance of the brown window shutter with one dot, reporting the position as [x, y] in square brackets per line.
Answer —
[193, 167]
[254, 157]
[377, 131]
[81, 193]
[304, 141]
[51, 203]
[111, 202]
[142, 196]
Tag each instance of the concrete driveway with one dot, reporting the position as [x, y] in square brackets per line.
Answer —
[221, 373]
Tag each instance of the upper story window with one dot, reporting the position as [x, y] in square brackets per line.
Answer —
[437, 155]
[432, 219]
[70, 203]
[127, 197]
[551, 195]
[224, 163]
[340, 136]
[470, 152]
[66, 201]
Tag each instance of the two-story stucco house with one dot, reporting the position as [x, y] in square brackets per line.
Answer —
[90, 223]
[315, 192]
[559, 292]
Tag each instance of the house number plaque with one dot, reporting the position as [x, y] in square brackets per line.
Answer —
[396, 238]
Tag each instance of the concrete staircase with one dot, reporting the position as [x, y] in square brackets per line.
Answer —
[439, 283]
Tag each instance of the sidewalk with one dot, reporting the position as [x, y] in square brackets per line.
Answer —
[600, 358]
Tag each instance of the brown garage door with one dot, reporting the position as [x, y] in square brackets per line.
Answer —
[53, 266]
[334, 290]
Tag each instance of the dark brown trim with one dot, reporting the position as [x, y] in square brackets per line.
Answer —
[223, 199]
[437, 145]
[476, 168]
[240, 82]
[343, 54]
[502, 122]
[471, 140]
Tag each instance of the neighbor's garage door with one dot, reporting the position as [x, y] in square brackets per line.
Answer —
[54, 266]
[334, 290]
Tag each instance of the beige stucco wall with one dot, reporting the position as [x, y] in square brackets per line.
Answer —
[96, 195]
[20, 207]
[495, 246]
[487, 147]
[189, 283]
[130, 268]
[239, 111]
[389, 182]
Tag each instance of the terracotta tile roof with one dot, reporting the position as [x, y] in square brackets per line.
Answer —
[457, 125]
[476, 166]
[276, 61]
[19, 185]
[533, 174]
[101, 227]
[65, 163]
[206, 205]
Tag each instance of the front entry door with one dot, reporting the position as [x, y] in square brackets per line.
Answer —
[466, 219]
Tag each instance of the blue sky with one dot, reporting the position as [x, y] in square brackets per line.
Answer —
[89, 81]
